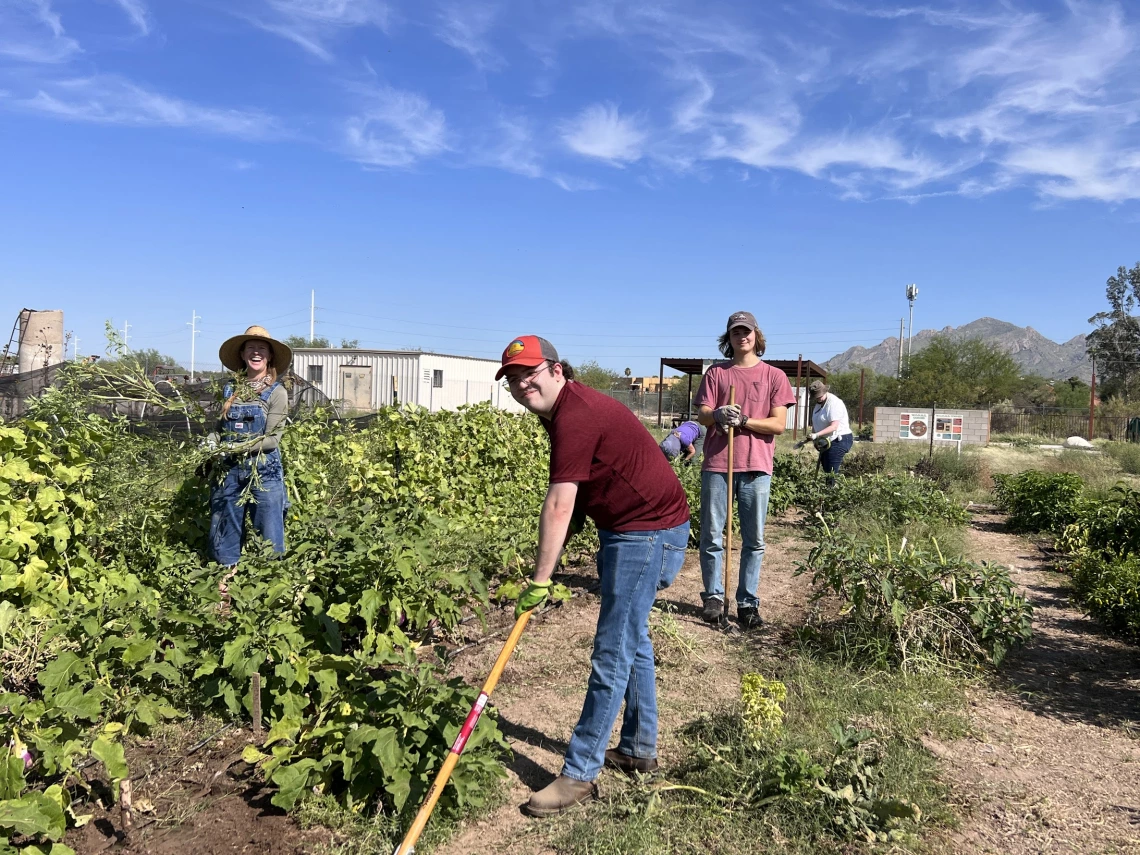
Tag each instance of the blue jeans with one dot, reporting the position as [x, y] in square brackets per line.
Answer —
[632, 567]
[751, 490]
[832, 459]
[266, 505]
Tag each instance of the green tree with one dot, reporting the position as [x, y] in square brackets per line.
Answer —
[879, 390]
[591, 374]
[350, 343]
[148, 359]
[962, 373]
[302, 341]
[1072, 394]
[1115, 343]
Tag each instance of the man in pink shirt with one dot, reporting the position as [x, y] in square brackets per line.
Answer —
[763, 395]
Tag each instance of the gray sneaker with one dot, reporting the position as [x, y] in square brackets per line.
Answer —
[749, 617]
[714, 609]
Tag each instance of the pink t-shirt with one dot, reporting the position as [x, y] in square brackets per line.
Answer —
[758, 390]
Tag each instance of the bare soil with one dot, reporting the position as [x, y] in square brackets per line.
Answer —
[1052, 766]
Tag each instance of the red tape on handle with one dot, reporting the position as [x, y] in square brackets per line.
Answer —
[469, 724]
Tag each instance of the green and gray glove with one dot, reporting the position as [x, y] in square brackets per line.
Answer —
[533, 596]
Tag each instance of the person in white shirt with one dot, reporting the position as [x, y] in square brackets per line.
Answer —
[829, 419]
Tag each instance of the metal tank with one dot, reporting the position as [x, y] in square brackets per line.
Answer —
[41, 339]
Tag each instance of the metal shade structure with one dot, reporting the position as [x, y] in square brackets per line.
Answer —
[799, 369]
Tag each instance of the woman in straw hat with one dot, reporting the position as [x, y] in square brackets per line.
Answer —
[253, 418]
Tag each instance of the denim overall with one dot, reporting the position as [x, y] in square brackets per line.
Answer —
[266, 499]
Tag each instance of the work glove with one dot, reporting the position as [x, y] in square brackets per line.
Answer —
[532, 597]
[727, 416]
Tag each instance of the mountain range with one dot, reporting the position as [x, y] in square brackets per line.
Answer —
[1031, 350]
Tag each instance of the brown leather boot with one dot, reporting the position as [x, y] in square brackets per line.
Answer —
[630, 765]
[561, 795]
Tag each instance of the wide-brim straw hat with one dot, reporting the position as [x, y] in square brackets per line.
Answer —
[230, 351]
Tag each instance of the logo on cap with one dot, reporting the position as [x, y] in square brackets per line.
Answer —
[515, 347]
[739, 316]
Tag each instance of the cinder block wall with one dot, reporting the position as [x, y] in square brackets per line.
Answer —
[974, 427]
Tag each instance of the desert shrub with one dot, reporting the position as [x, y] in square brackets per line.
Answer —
[1127, 454]
[1039, 501]
[1109, 587]
[867, 461]
[925, 604]
[949, 470]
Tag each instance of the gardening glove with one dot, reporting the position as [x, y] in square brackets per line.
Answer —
[533, 597]
[727, 416]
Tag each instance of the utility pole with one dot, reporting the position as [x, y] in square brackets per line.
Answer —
[194, 331]
[126, 334]
[901, 322]
[312, 314]
[1092, 403]
[911, 293]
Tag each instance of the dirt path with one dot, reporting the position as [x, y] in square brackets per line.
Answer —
[1054, 765]
[541, 693]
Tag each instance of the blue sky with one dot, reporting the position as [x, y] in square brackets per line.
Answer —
[618, 176]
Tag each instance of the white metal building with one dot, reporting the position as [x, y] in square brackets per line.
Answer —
[363, 380]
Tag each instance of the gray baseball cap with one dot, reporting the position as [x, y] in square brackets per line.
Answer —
[741, 319]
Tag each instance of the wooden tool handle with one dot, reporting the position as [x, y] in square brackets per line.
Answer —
[407, 847]
[728, 516]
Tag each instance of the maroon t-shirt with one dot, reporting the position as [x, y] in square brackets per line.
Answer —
[624, 481]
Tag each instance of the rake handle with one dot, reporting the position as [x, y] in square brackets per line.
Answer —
[408, 845]
[728, 516]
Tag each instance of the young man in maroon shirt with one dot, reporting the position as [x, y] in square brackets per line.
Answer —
[605, 465]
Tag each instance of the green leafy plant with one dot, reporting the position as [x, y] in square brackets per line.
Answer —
[1039, 501]
[1109, 587]
[760, 708]
[927, 605]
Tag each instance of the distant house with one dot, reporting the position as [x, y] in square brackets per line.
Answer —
[365, 380]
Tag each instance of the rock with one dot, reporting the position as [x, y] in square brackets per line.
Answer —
[1077, 442]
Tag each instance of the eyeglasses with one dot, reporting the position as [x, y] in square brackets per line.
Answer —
[518, 378]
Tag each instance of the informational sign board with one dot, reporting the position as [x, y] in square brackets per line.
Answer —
[914, 425]
[918, 426]
[948, 427]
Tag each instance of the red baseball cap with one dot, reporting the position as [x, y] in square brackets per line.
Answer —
[527, 350]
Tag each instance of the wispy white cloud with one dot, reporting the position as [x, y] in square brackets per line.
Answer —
[31, 31]
[964, 99]
[465, 26]
[136, 13]
[601, 132]
[313, 24]
[112, 100]
[395, 129]
[510, 145]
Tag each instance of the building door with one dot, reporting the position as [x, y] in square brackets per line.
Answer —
[356, 386]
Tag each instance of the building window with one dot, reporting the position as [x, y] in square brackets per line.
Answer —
[437, 378]
[316, 373]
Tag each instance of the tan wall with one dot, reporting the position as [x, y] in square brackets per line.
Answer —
[973, 430]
